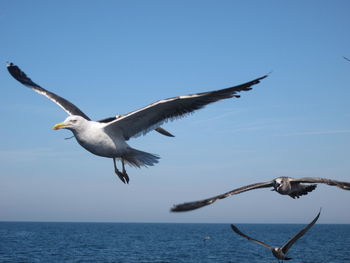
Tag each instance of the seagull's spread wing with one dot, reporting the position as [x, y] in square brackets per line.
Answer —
[342, 185]
[158, 129]
[197, 204]
[291, 241]
[67, 106]
[235, 229]
[152, 116]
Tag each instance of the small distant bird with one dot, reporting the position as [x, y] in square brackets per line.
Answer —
[294, 187]
[346, 59]
[280, 252]
[206, 238]
[107, 138]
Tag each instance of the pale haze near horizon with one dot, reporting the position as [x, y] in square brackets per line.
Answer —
[113, 57]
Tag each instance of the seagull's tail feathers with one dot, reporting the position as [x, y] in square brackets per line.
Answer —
[138, 158]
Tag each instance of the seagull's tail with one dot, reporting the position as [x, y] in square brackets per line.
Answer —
[138, 158]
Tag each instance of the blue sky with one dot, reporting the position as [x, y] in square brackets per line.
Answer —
[112, 57]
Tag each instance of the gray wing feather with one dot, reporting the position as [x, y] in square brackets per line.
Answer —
[67, 106]
[158, 129]
[291, 241]
[197, 204]
[236, 230]
[152, 116]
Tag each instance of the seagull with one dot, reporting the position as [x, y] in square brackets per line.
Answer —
[294, 187]
[280, 252]
[108, 137]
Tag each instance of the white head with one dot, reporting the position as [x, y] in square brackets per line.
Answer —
[279, 180]
[277, 183]
[73, 123]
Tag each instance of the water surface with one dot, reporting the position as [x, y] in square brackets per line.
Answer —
[167, 243]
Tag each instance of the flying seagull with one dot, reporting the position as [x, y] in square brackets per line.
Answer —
[107, 138]
[280, 252]
[294, 187]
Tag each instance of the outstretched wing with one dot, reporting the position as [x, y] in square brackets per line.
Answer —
[152, 116]
[235, 229]
[158, 129]
[291, 241]
[197, 204]
[67, 106]
[342, 185]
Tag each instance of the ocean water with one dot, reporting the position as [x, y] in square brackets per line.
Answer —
[167, 243]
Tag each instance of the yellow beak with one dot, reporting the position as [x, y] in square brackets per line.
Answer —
[58, 126]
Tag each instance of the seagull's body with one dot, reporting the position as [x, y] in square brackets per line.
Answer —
[92, 136]
[107, 137]
[293, 187]
[289, 186]
[280, 252]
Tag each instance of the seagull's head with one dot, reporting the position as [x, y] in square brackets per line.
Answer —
[73, 123]
[277, 183]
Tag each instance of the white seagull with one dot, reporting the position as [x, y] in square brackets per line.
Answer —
[107, 138]
[280, 252]
[294, 187]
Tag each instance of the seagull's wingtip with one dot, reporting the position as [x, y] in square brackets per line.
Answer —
[263, 77]
[174, 209]
[179, 208]
[9, 64]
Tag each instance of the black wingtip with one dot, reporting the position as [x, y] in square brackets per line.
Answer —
[257, 81]
[14, 70]
[265, 76]
[177, 208]
[189, 206]
[164, 132]
[182, 208]
[20, 76]
[235, 229]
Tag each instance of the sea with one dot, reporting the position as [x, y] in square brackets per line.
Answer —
[28, 242]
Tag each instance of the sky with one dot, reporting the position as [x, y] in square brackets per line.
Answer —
[113, 57]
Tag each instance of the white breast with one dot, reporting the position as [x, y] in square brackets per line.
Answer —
[94, 139]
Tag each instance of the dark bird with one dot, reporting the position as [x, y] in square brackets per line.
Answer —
[294, 187]
[280, 252]
[346, 59]
[107, 137]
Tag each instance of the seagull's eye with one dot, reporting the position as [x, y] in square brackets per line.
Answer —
[74, 121]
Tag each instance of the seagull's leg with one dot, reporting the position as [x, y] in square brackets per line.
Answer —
[126, 177]
[120, 175]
